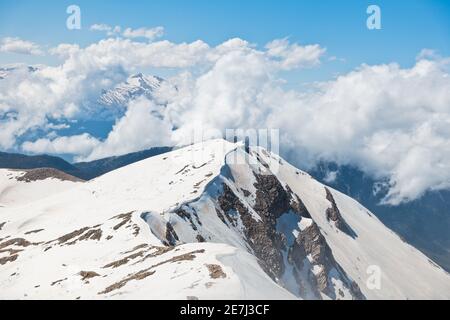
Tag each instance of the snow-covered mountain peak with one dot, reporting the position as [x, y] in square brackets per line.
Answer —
[142, 80]
[136, 85]
[207, 221]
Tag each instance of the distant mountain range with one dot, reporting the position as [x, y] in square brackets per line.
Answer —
[99, 167]
[82, 170]
[135, 86]
[21, 161]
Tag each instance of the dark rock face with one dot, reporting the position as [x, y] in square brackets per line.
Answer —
[297, 205]
[200, 238]
[171, 236]
[334, 215]
[306, 255]
[272, 199]
[182, 213]
[310, 242]
[261, 235]
[271, 202]
[245, 192]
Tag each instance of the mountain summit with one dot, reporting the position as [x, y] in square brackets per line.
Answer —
[135, 86]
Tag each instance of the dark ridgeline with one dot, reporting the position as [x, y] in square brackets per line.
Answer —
[21, 161]
[82, 170]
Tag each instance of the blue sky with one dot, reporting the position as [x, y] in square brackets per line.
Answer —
[407, 26]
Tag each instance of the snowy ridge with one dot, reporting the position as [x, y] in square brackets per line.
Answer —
[208, 221]
[17, 190]
[94, 243]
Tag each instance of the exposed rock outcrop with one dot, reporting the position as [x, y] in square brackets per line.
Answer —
[311, 248]
[334, 215]
[299, 253]
[261, 235]
[46, 173]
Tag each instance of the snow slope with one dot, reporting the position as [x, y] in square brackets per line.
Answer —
[406, 273]
[208, 221]
[14, 192]
[96, 230]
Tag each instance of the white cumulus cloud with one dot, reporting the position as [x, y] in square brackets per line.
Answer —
[81, 144]
[17, 45]
[294, 55]
[110, 31]
[143, 32]
[138, 129]
[390, 121]
[148, 33]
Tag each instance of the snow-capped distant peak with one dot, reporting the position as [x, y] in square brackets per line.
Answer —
[135, 86]
[141, 80]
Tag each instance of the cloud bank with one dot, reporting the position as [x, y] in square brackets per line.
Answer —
[390, 121]
[146, 33]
